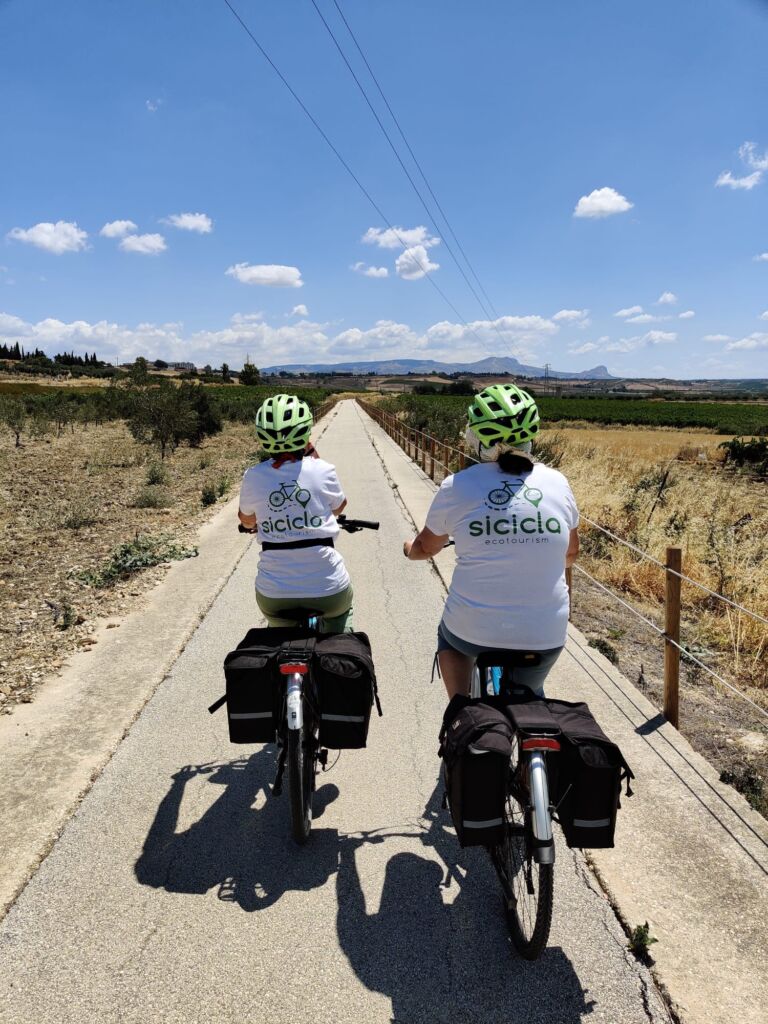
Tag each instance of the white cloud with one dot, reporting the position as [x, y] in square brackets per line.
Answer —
[629, 311]
[269, 274]
[588, 346]
[414, 263]
[398, 238]
[747, 183]
[147, 245]
[366, 271]
[747, 152]
[764, 316]
[602, 202]
[750, 158]
[153, 105]
[300, 310]
[667, 299]
[716, 337]
[63, 236]
[641, 341]
[646, 318]
[118, 228]
[528, 330]
[755, 340]
[688, 314]
[199, 222]
[572, 316]
[762, 257]
[384, 336]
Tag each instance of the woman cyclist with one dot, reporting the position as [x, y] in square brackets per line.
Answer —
[514, 522]
[291, 500]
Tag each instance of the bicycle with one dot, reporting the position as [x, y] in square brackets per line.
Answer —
[501, 496]
[298, 748]
[525, 859]
[287, 491]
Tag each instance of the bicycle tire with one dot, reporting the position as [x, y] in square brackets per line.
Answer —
[279, 502]
[500, 497]
[300, 768]
[528, 915]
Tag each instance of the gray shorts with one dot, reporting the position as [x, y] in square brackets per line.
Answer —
[532, 676]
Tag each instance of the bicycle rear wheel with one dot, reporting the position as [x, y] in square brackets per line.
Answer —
[301, 765]
[528, 887]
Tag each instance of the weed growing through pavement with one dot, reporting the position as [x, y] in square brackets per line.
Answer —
[640, 941]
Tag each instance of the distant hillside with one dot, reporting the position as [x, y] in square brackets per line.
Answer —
[398, 367]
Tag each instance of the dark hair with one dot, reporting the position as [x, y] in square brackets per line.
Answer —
[510, 462]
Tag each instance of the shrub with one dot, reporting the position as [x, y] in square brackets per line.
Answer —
[607, 650]
[157, 474]
[222, 486]
[152, 497]
[208, 495]
[81, 513]
[142, 552]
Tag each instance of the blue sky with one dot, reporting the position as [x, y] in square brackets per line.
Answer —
[576, 148]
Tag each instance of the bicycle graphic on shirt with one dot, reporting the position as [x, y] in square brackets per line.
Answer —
[289, 492]
[501, 496]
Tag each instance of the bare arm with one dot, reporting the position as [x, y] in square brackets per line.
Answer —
[340, 509]
[248, 521]
[573, 548]
[425, 545]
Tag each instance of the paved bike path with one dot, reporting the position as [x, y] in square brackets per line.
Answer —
[175, 895]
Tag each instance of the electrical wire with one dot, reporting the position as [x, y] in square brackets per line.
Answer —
[399, 159]
[339, 157]
[413, 157]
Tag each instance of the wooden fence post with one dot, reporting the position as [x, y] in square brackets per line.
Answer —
[462, 459]
[432, 458]
[672, 637]
[423, 454]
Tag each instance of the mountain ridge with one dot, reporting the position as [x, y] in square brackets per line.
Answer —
[399, 367]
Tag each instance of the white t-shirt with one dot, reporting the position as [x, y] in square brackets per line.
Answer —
[296, 502]
[511, 532]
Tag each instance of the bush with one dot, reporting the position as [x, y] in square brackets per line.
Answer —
[222, 486]
[80, 514]
[607, 650]
[208, 495]
[157, 474]
[142, 552]
[152, 497]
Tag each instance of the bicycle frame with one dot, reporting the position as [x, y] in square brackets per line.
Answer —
[534, 748]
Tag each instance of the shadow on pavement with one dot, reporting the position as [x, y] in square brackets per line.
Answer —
[439, 961]
[248, 854]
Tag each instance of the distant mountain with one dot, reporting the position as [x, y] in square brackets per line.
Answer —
[398, 367]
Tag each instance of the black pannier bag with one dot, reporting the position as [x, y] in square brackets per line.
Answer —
[253, 684]
[343, 673]
[586, 787]
[476, 746]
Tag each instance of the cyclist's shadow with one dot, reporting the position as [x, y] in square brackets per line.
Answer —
[438, 946]
[246, 854]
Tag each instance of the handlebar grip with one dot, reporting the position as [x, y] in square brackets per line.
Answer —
[365, 524]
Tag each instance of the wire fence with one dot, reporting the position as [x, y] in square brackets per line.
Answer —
[430, 453]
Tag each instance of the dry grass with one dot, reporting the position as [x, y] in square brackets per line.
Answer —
[66, 503]
[718, 518]
[647, 445]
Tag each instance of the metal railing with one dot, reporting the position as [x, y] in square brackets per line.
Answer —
[430, 453]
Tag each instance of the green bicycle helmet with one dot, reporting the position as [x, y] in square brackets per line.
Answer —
[503, 414]
[283, 424]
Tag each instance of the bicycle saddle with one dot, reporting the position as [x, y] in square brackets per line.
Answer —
[508, 659]
[298, 614]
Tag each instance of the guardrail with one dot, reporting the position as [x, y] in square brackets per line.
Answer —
[432, 455]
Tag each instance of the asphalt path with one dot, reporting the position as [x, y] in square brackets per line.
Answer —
[176, 895]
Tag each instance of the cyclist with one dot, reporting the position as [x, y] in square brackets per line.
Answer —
[291, 500]
[514, 522]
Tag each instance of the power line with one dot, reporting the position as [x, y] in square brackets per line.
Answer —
[414, 158]
[399, 159]
[339, 157]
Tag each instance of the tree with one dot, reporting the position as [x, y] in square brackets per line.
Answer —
[249, 374]
[207, 416]
[13, 413]
[161, 416]
[139, 374]
[225, 374]
[160, 364]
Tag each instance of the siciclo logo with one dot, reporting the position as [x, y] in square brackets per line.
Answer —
[514, 492]
[287, 494]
